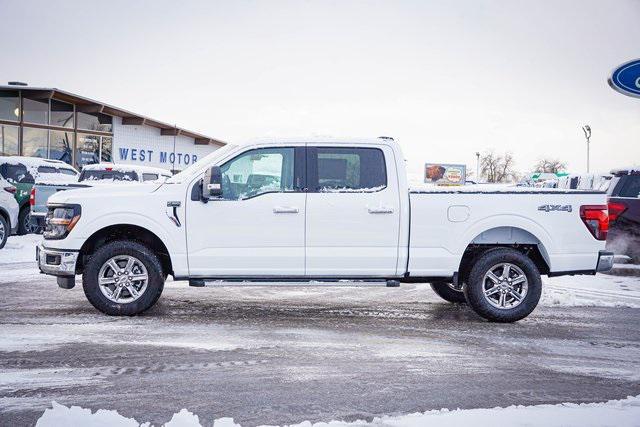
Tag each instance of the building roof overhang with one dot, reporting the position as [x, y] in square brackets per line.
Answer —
[88, 105]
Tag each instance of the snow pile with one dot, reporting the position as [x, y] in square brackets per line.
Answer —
[54, 178]
[20, 249]
[60, 415]
[619, 413]
[601, 290]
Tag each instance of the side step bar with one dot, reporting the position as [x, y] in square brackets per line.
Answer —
[199, 283]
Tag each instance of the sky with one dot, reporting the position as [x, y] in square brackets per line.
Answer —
[446, 79]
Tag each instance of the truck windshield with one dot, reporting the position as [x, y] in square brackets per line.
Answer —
[200, 164]
[107, 175]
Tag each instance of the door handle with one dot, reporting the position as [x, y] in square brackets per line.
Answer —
[380, 210]
[284, 209]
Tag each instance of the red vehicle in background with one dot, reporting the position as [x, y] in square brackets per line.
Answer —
[624, 213]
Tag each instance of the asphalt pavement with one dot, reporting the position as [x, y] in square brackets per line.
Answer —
[284, 355]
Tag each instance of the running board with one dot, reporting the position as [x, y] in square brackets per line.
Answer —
[199, 283]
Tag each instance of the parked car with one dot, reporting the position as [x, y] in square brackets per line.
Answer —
[91, 175]
[321, 211]
[23, 172]
[8, 211]
[624, 212]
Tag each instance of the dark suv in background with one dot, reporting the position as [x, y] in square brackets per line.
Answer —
[624, 213]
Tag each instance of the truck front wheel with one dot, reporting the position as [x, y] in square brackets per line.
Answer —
[504, 285]
[123, 278]
[449, 292]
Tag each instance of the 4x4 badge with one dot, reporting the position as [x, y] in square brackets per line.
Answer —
[553, 208]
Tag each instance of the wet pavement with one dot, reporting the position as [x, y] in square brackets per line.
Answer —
[265, 355]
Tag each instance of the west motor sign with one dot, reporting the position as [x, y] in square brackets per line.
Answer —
[153, 157]
[626, 78]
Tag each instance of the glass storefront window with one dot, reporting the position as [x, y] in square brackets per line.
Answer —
[9, 105]
[61, 114]
[88, 150]
[9, 140]
[95, 121]
[60, 145]
[107, 149]
[34, 142]
[35, 110]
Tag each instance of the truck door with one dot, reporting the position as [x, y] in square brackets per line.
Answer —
[257, 227]
[353, 217]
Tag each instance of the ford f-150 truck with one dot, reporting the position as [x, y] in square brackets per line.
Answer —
[321, 211]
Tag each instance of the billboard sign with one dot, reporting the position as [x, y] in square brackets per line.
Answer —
[445, 174]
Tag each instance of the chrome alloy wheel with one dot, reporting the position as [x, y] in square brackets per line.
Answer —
[505, 286]
[28, 225]
[123, 279]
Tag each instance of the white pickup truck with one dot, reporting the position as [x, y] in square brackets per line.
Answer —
[320, 211]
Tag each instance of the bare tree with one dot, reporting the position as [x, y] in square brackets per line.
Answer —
[549, 165]
[498, 167]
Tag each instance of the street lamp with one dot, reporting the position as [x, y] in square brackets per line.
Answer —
[587, 134]
[477, 166]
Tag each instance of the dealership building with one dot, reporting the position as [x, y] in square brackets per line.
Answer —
[55, 124]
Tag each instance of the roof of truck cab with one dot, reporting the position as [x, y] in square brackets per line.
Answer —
[631, 170]
[34, 161]
[320, 140]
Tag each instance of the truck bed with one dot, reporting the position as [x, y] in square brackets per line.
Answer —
[444, 221]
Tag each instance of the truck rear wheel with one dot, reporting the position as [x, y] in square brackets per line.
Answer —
[449, 292]
[123, 278]
[504, 285]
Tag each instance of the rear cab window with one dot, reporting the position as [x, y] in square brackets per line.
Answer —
[107, 175]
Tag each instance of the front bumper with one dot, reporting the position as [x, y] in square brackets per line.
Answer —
[56, 262]
[605, 261]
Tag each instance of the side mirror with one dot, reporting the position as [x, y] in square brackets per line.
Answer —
[212, 183]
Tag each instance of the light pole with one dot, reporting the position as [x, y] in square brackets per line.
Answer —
[478, 166]
[587, 134]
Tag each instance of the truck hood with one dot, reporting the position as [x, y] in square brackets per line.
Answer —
[103, 191]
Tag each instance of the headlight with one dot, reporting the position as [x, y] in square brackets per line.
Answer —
[60, 221]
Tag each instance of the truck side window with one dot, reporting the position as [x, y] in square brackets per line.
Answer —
[259, 171]
[631, 187]
[350, 169]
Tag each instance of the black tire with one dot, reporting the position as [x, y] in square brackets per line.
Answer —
[23, 217]
[447, 293]
[5, 230]
[150, 261]
[475, 288]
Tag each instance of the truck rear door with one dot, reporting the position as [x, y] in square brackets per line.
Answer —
[353, 211]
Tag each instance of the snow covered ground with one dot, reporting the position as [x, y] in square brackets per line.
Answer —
[619, 413]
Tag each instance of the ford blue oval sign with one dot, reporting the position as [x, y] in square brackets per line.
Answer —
[626, 78]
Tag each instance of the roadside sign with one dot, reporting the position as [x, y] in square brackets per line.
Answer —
[445, 174]
[626, 78]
